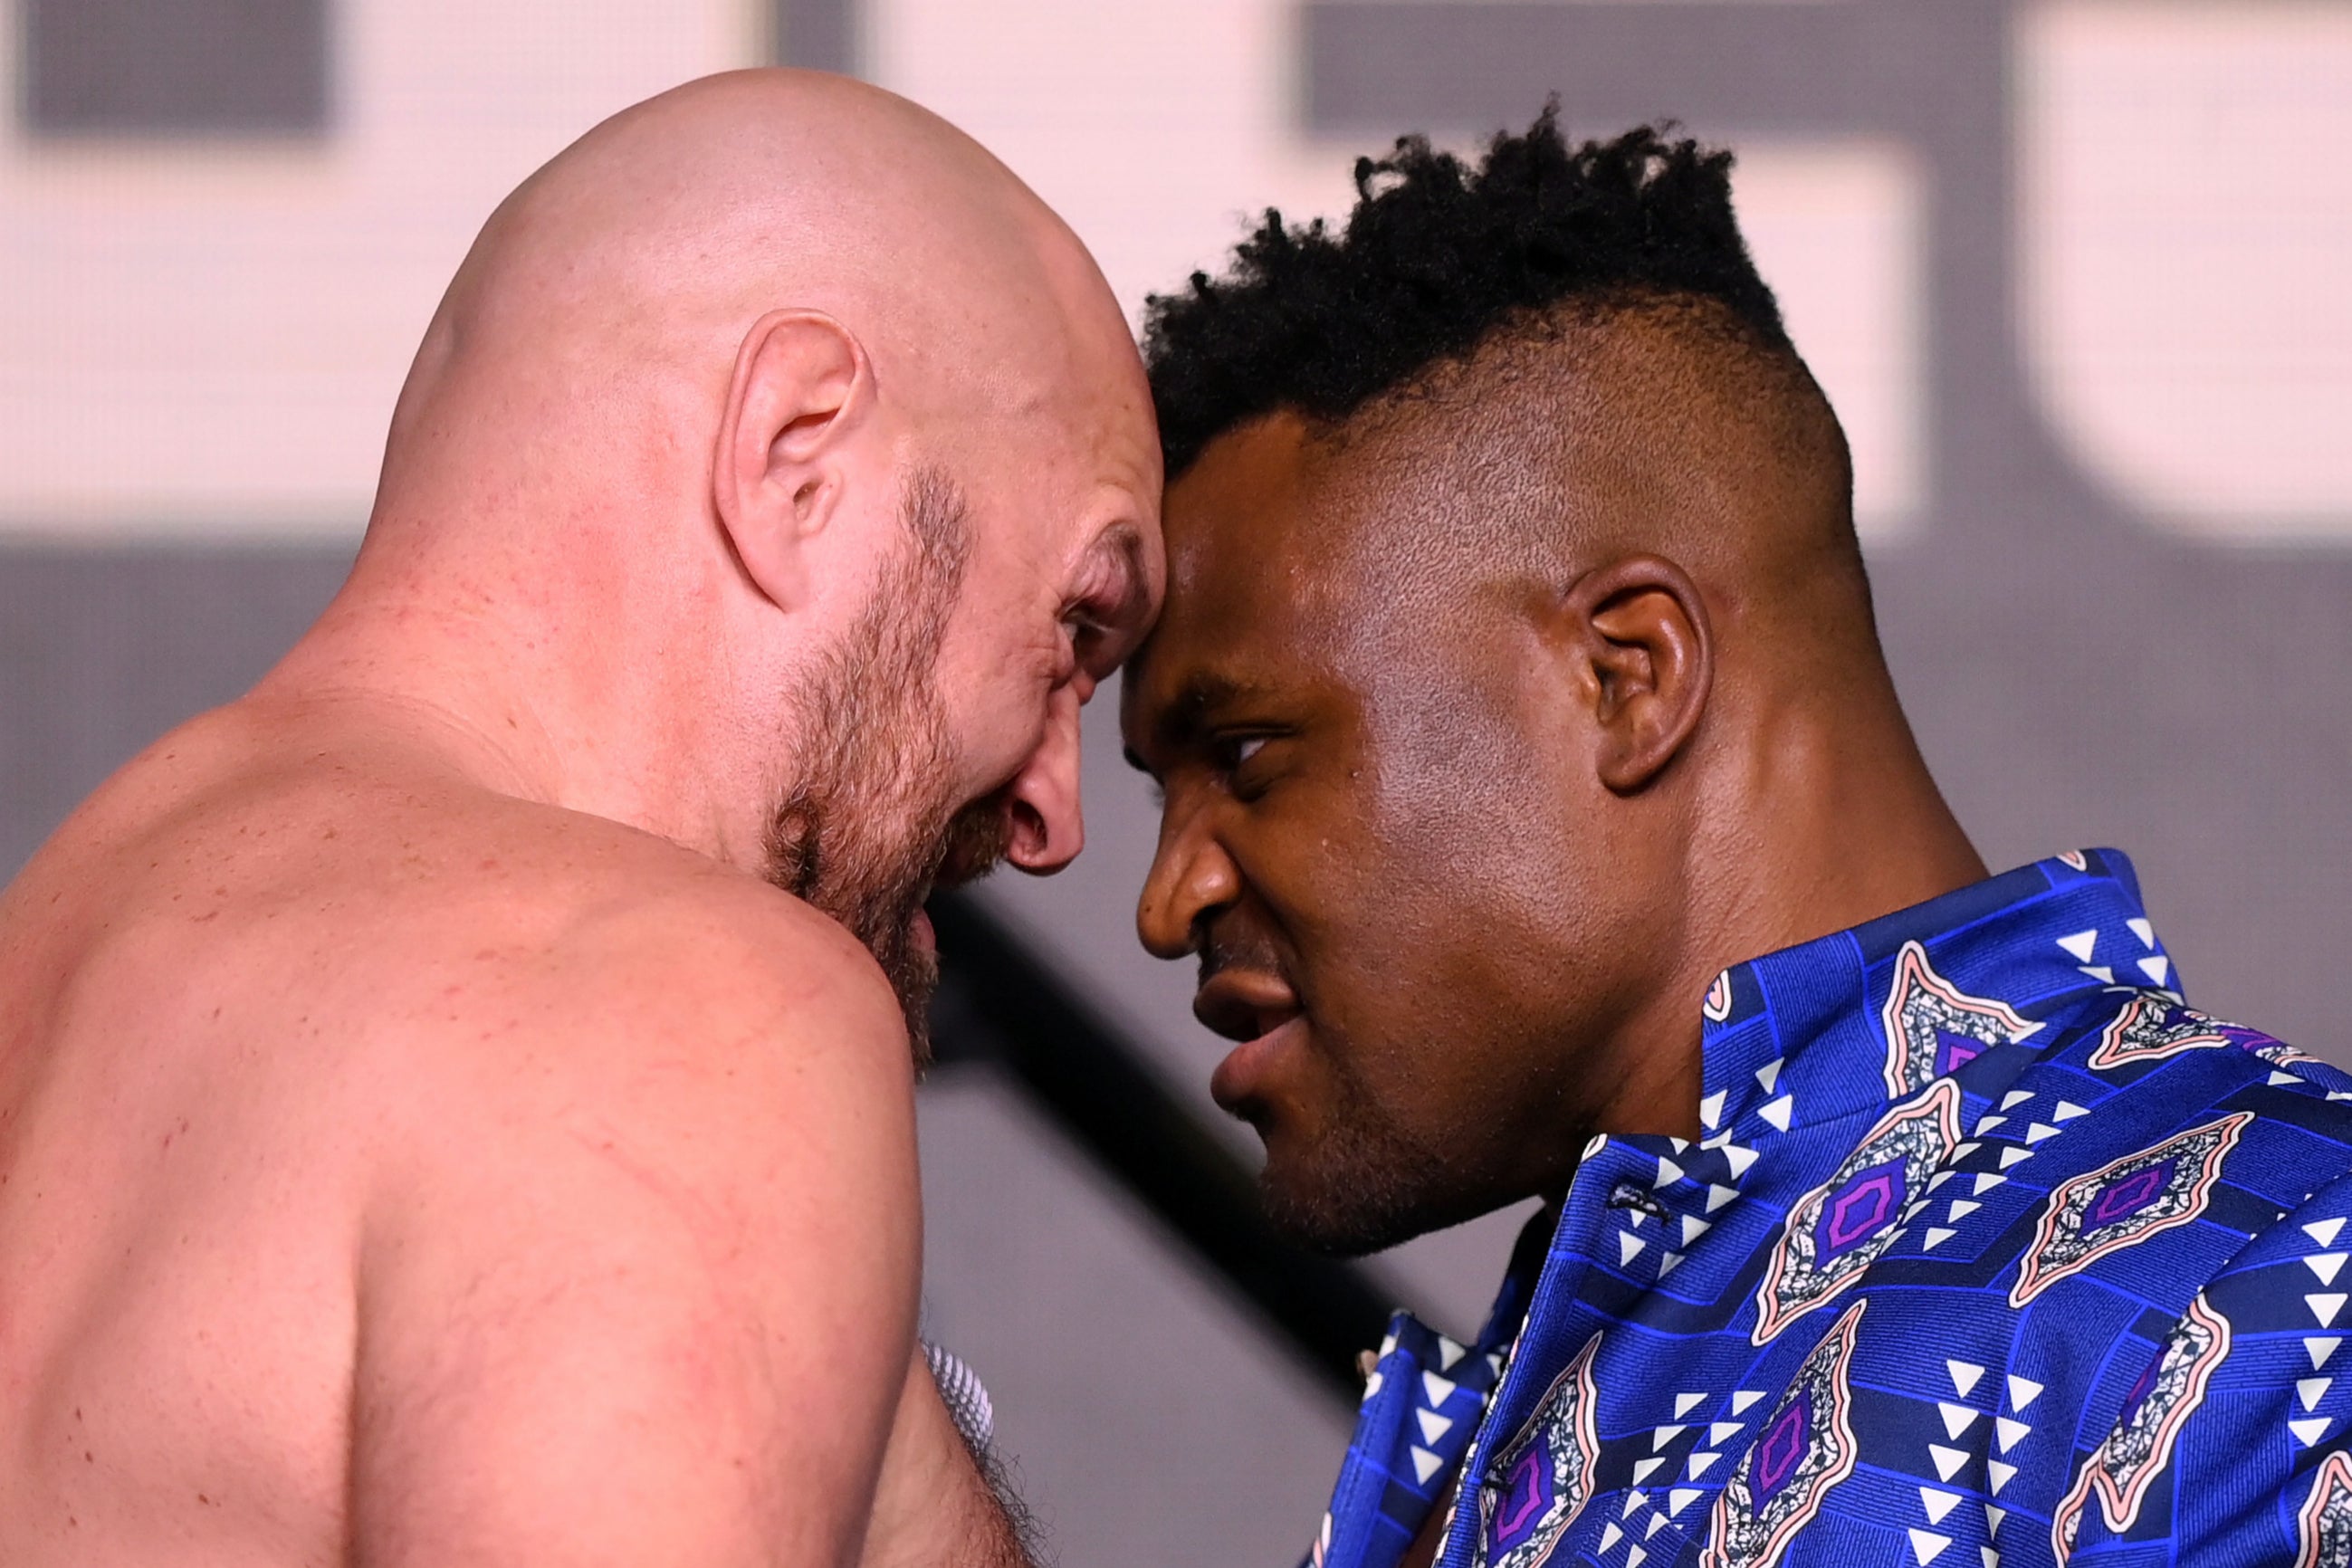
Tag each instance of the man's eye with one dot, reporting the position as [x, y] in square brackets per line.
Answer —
[1234, 751]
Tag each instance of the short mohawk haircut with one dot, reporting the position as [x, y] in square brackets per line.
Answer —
[1434, 257]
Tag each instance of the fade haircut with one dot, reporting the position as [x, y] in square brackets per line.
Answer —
[1439, 257]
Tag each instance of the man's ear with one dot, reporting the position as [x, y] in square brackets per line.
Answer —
[802, 385]
[1649, 659]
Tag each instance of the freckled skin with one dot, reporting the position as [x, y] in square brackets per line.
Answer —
[1491, 727]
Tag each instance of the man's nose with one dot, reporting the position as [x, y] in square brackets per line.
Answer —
[1192, 877]
[1048, 826]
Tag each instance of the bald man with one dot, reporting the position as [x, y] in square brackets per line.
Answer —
[455, 1100]
[1542, 816]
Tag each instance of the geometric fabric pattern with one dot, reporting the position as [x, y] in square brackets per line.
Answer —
[1981, 1258]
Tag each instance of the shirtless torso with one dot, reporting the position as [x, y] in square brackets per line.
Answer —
[338, 1096]
[428, 1133]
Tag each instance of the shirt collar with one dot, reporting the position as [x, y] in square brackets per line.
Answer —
[1853, 1020]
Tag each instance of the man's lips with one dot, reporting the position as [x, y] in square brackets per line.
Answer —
[1262, 1012]
[1244, 1003]
[1239, 1081]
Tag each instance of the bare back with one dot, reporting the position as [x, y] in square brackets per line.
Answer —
[334, 1086]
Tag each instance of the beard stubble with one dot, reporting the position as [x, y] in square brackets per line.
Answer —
[871, 823]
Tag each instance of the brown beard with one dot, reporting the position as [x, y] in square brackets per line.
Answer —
[872, 823]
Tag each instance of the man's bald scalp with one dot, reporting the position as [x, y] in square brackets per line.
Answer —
[633, 262]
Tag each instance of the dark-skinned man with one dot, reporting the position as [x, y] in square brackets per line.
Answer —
[1544, 819]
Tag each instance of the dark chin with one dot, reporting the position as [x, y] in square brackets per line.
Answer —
[1363, 1190]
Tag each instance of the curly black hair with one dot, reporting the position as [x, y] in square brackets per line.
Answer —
[1436, 256]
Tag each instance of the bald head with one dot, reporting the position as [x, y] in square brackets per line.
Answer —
[786, 455]
[632, 265]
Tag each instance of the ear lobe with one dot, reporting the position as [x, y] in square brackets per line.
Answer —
[1651, 654]
[801, 386]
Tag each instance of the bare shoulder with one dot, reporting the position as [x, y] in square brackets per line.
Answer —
[646, 1239]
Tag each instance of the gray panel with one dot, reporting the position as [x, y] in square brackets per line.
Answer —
[822, 34]
[176, 68]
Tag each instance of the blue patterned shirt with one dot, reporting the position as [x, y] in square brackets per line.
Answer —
[1992, 1252]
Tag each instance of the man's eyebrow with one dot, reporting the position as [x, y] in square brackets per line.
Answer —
[1123, 542]
[1199, 695]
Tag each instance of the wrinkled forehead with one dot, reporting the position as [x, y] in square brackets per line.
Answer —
[1262, 583]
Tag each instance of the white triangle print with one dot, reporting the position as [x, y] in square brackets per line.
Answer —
[1448, 1353]
[1668, 1171]
[1425, 1463]
[1372, 1384]
[1937, 1502]
[2000, 1473]
[1643, 1471]
[1661, 1436]
[2039, 1130]
[1717, 1432]
[2310, 1389]
[1776, 1112]
[1666, 1264]
[1717, 1195]
[1743, 1397]
[2011, 1432]
[1740, 1159]
[2323, 1231]
[2015, 1097]
[2319, 1348]
[1958, 1418]
[2067, 1110]
[2325, 1308]
[1611, 1537]
[1636, 1500]
[2325, 1265]
[1438, 1389]
[2309, 1430]
[1991, 1558]
[1710, 1110]
[1701, 1463]
[1768, 1075]
[1993, 1516]
[2100, 972]
[1937, 1236]
[2014, 1155]
[1988, 1123]
[1629, 1246]
[1926, 1546]
[1964, 1375]
[2022, 1392]
[1694, 1228]
[1686, 1403]
[2156, 967]
[1987, 1180]
[2081, 944]
[2279, 1078]
[2142, 930]
[1947, 1460]
[1657, 1522]
[1433, 1424]
[1681, 1497]
[1963, 1207]
[1633, 1556]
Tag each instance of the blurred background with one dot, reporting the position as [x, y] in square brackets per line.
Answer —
[2076, 273]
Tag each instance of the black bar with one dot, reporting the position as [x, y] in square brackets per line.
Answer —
[1000, 1001]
